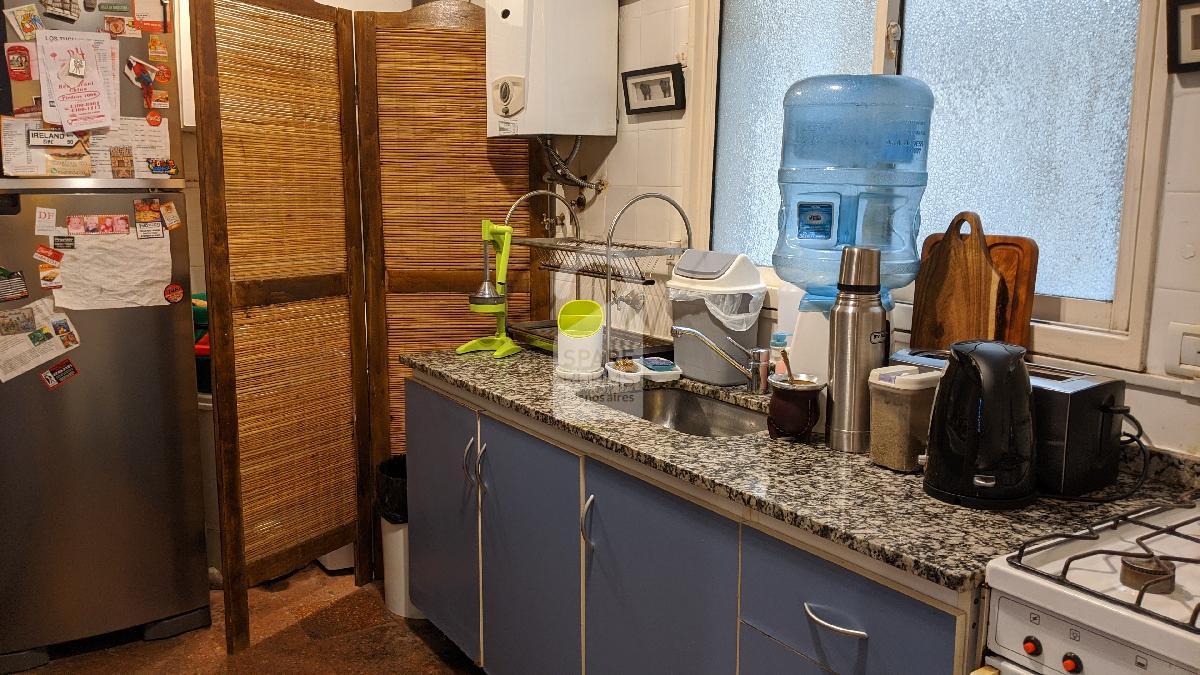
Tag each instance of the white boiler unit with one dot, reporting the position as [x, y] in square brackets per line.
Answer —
[552, 67]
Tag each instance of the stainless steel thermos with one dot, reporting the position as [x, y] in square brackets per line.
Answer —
[858, 339]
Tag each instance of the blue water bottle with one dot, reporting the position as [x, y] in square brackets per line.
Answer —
[852, 173]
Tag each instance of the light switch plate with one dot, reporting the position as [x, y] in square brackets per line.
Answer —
[1183, 343]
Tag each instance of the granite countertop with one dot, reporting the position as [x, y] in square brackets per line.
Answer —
[840, 497]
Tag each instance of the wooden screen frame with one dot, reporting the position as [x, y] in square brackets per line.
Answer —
[226, 295]
[380, 281]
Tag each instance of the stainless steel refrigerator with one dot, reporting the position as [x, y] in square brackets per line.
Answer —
[101, 511]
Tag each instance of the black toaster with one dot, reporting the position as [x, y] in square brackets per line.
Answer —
[1078, 442]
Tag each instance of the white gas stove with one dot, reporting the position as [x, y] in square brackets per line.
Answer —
[1122, 596]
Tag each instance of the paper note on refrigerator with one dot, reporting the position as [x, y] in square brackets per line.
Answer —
[129, 151]
[114, 271]
[105, 68]
[53, 335]
[23, 158]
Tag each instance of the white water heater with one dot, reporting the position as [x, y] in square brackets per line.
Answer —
[552, 67]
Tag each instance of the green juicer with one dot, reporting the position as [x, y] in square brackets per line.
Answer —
[493, 299]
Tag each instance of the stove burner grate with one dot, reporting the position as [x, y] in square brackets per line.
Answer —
[1146, 571]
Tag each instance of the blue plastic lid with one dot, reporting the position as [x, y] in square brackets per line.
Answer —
[890, 90]
[779, 339]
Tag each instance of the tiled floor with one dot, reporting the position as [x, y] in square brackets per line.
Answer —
[310, 622]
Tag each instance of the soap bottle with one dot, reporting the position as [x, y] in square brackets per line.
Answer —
[779, 342]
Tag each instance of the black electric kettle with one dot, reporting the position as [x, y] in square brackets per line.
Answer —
[981, 441]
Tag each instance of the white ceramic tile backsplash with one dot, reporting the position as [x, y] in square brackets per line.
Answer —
[649, 155]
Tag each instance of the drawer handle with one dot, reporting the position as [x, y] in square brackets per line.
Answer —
[587, 506]
[479, 467]
[860, 634]
[467, 451]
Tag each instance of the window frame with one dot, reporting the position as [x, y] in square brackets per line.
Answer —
[1108, 333]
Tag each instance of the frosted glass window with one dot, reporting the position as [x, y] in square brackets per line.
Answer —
[1031, 125]
[766, 46]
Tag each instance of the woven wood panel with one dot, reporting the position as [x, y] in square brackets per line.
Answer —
[282, 143]
[424, 321]
[296, 422]
[440, 175]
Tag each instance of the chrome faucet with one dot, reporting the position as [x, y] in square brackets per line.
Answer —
[757, 368]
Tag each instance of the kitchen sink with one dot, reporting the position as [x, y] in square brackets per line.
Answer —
[685, 412]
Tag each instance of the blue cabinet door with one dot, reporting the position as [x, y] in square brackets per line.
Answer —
[802, 601]
[443, 515]
[661, 581]
[529, 506]
[763, 655]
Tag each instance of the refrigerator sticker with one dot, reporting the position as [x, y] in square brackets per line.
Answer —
[173, 293]
[64, 243]
[51, 138]
[16, 321]
[160, 98]
[164, 75]
[48, 341]
[50, 276]
[25, 20]
[154, 118]
[152, 230]
[170, 216]
[48, 255]
[67, 9]
[110, 272]
[59, 373]
[123, 153]
[162, 167]
[121, 26]
[21, 159]
[156, 49]
[12, 286]
[22, 66]
[114, 7]
[102, 224]
[45, 221]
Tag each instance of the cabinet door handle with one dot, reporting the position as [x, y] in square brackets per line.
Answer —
[478, 467]
[467, 451]
[850, 632]
[587, 506]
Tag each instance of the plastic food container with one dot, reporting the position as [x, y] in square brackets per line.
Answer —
[901, 403]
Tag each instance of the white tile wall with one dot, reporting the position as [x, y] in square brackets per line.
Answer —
[649, 154]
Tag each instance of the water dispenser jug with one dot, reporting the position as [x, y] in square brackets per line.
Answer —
[852, 174]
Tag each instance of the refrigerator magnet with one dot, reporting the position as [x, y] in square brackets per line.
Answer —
[63, 243]
[17, 321]
[160, 98]
[45, 221]
[162, 167]
[48, 255]
[114, 7]
[154, 118]
[57, 374]
[12, 286]
[173, 293]
[20, 62]
[49, 276]
[156, 49]
[164, 75]
[170, 216]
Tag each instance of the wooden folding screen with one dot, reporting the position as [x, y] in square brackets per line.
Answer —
[430, 175]
[279, 176]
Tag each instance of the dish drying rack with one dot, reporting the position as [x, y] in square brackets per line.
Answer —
[608, 260]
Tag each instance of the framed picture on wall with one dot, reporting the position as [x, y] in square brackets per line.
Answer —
[1183, 36]
[653, 89]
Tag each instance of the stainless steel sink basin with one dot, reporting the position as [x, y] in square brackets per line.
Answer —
[685, 412]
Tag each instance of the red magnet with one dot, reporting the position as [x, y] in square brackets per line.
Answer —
[154, 118]
[173, 293]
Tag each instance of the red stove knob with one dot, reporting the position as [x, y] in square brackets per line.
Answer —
[1032, 646]
[1072, 663]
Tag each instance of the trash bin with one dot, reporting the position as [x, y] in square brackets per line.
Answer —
[391, 496]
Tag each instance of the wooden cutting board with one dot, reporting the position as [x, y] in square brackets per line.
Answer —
[1016, 258]
[960, 294]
